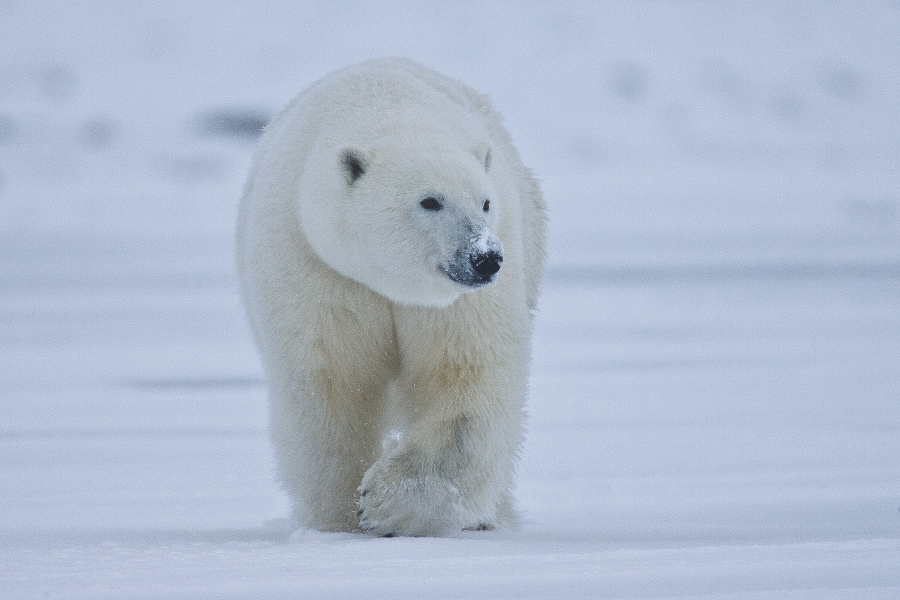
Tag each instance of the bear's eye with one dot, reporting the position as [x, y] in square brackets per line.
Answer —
[486, 206]
[431, 203]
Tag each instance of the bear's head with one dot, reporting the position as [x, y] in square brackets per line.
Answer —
[415, 224]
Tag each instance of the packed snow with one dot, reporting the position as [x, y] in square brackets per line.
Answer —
[715, 391]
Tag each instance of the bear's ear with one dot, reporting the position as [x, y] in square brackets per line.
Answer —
[354, 163]
[483, 153]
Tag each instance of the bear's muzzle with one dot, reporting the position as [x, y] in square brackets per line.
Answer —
[476, 264]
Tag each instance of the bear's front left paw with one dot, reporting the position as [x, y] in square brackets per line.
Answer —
[395, 503]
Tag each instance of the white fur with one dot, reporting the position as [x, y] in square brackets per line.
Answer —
[396, 398]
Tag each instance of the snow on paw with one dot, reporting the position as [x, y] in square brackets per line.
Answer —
[393, 502]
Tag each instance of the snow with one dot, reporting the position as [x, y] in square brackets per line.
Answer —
[714, 399]
[486, 242]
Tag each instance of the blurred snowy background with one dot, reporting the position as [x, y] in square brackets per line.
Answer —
[715, 406]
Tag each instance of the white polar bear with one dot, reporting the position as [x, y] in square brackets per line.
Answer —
[390, 247]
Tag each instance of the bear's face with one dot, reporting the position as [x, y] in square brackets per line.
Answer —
[416, 225]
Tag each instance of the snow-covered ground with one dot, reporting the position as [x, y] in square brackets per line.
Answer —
[715, 398]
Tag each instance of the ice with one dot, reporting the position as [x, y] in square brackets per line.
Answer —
[716, 369]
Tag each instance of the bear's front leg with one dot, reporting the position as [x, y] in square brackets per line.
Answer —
[328, 380]
[463, 402]
[460, 395]
[436, 482]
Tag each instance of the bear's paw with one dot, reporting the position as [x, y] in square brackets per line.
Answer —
[393, 502]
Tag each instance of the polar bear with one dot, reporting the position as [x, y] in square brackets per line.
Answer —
[390, 244]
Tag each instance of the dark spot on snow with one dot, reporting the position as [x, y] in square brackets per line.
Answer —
[875, 212]
[787, 106]
[58, 83]
[97, 133]
[8, 130]
[235, 123]
[843, 83]
[629, 81]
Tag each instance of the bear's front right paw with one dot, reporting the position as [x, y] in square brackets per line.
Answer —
[392, 503]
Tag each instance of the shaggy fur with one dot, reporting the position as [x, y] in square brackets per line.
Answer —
[378, 207]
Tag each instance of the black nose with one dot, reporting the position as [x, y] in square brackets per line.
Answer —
[486, 264]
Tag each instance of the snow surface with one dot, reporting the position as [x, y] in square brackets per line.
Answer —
[715, 398]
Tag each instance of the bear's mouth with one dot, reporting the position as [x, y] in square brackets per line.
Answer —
[470, 280]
